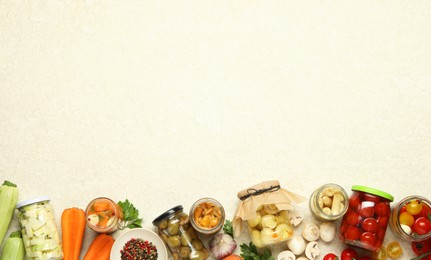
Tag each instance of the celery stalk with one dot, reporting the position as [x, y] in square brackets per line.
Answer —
[8, 200]
[13, 247]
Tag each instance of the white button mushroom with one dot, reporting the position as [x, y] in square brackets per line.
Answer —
[297, 245]
[310, 232]
[295, 218]
[312, 250]
[327, 231]
[286, 255]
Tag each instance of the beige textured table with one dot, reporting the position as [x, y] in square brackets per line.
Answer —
[164, 102]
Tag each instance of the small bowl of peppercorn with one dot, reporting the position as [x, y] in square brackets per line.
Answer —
[139, 243]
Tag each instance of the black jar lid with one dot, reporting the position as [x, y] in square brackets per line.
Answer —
[167, 214]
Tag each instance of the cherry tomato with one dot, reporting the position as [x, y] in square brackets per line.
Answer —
[422, 247]
[330, 257]
[349, 254]
[352, 233]
[370, 224]
[352, 218]
[406, 219]
[426, 212]
[414, 207]
[382, 209]
[382, 254]
[422, 226]
[366, 210]
[354, 200]
[383, 221]
[371, 197]
[394, 249]
[369, 239]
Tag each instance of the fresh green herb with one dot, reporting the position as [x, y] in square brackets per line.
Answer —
[421, 256]
[8, 183]
[227, 228]
[249, 252]
[130, 215]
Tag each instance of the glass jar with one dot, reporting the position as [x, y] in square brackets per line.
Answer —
[39, 230]
[174, 227]
[208, 216]
[365, 222]
[103, 215]
[410, 219]
[329, 202]
[264, 207]
[270, 226]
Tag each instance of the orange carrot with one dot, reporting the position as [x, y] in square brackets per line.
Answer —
[72, 227]
[233, 257]
[100, 249]
[100, 206]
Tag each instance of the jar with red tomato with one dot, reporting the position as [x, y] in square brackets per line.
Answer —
[366, 220]
[410, 219]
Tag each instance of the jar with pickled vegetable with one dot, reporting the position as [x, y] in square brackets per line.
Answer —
[39, 230]
[264, 207]
[174, 227]
[207, 216]
[329, 202]
[410, 219]
[365, 222]
[103, 215]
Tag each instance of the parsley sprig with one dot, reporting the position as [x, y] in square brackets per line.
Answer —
[130, 215]
[249, 252]
[227, 228]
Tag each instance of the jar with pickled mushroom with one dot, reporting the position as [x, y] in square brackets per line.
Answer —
[207, 216]
[264, 207]
[174, 227]
[329, 202]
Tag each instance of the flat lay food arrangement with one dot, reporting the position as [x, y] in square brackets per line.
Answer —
[266, 211]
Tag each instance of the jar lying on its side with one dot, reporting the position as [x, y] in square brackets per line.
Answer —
[174, 228]
[39, 231]
[410, 219]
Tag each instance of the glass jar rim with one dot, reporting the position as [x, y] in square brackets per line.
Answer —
[31, 201]
[331, 217]
[396, 222]
[167, 213]
[202, 229]
[373, 191]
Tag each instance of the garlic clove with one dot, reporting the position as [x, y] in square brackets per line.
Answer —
[406, 229]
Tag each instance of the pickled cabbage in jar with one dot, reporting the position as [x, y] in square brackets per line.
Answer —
[39, 231]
